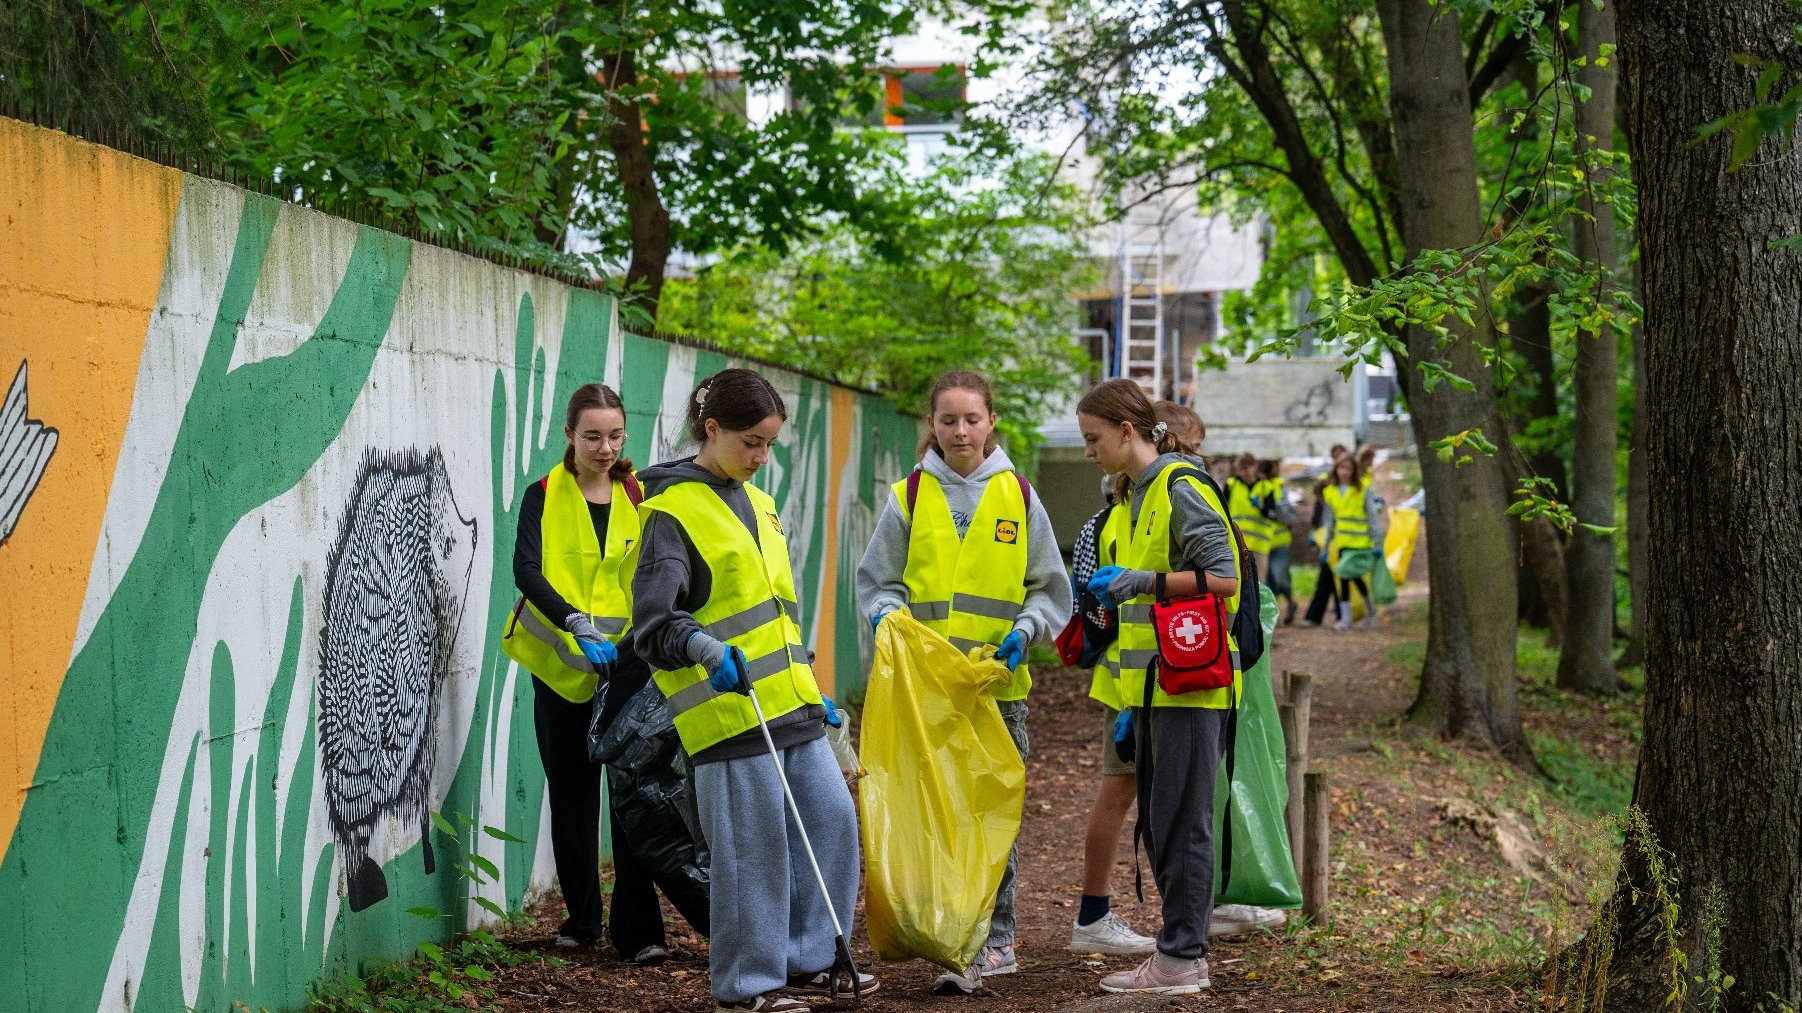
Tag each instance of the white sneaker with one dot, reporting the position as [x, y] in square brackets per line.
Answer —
[1238, 919]
[997, 960]
[948, 983]
[1110, 935]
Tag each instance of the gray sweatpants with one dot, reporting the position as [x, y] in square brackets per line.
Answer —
[1001, 922]
[767, 918]
[1179, 750]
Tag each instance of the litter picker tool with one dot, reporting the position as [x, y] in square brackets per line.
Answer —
[842, 959]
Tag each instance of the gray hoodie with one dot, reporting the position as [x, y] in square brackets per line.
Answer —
[881, 586]
[672, 581]
[1199, 537]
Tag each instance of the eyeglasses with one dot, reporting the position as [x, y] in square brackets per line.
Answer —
[592, 441]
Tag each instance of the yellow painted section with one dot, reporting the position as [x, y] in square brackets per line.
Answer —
[838, 452]
[87, 230]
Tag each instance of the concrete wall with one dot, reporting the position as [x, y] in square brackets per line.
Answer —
[258, 476]
[1279, 407]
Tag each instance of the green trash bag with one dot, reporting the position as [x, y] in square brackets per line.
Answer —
[1263, 872]
[1355, 563]
[1382, 583]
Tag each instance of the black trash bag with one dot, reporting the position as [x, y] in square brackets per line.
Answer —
[650, 786]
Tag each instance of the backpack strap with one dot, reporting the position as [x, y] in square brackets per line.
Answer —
[1025, 490]
[634, 491]
[913, 491]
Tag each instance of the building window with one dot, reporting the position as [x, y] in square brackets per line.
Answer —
[923, 97]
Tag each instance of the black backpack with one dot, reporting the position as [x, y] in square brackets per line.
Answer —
[1248, 626]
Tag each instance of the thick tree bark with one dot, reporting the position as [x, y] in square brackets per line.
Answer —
[1586, 662]
[1467, 684]
[1638, 496]
[645, 213]
[1720, 775]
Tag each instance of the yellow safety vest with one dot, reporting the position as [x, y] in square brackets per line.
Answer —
[1270, 490]
[1245, 513]
[969, 590]
[1351, 528]
[1147, 547]
[1104, 685]
[752, 607]
[592, 581]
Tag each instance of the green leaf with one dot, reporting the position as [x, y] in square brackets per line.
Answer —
[501, 835]
[491, 907]
[444, 826]
[431, 951]
[428, 913]
[493, 871]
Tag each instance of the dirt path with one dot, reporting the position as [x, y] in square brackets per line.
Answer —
[1357, 684]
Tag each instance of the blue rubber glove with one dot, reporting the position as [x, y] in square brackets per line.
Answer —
[729, 677]
[1012, 650]
[833, 718]
[876, 619]
[599, 651]
[1123, 726]
[1099, 582]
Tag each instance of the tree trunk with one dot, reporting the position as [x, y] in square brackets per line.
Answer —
[1587, 660]
[1467, 684]
[1541, 552]
[1638, 495]
[645, 213]
[1720, 775]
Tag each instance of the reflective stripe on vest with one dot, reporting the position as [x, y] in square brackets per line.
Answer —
[751, 607]
[1147, 547]
[970, 589]
[1270, 491]
[1104, 684]
[593, 581]
[1351, 528]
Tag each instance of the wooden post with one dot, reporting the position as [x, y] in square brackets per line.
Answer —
[1301, 695]
[1314, 880]
[1295, 762]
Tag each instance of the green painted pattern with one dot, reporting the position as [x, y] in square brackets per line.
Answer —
[94, 787]
[245, 903]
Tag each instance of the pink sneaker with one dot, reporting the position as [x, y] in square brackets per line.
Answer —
[1154, 978]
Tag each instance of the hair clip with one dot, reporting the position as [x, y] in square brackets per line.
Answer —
[701, 395]
[1158, 431]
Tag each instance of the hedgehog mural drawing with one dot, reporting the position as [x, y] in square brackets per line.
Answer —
[395, 581]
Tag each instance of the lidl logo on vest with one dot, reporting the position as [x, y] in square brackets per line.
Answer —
[776, 522]
[1007, 532]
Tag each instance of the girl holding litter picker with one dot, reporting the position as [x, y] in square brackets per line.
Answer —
[715, 607]
[965, 546]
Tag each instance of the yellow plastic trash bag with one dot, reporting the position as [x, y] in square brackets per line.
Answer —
[1398, 546]
[941, 798]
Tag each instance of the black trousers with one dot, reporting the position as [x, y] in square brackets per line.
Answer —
[574, 784]
[1363, 589]
[637, 919]
[1323, 592]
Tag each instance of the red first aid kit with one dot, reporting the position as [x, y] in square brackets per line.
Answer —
[1193, 652]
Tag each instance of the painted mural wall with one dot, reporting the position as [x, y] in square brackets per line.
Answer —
[258, 475]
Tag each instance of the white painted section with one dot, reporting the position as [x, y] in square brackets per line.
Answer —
[186, 305]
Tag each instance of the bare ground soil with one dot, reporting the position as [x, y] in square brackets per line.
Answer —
[1427, 913]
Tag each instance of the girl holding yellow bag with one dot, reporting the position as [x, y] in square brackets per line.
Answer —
[966, 548]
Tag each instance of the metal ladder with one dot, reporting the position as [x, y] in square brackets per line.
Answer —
[1139, 355]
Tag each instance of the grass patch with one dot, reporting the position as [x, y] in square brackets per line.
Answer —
[438, 979]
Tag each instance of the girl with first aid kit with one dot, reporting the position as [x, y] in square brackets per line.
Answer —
[1175, 583]
[969, 551]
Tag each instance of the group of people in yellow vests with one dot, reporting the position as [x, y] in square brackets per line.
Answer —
[680, 574]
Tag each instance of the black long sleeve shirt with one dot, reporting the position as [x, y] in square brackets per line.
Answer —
[528, 555]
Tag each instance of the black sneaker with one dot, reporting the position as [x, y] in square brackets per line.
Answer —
[819, 983]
